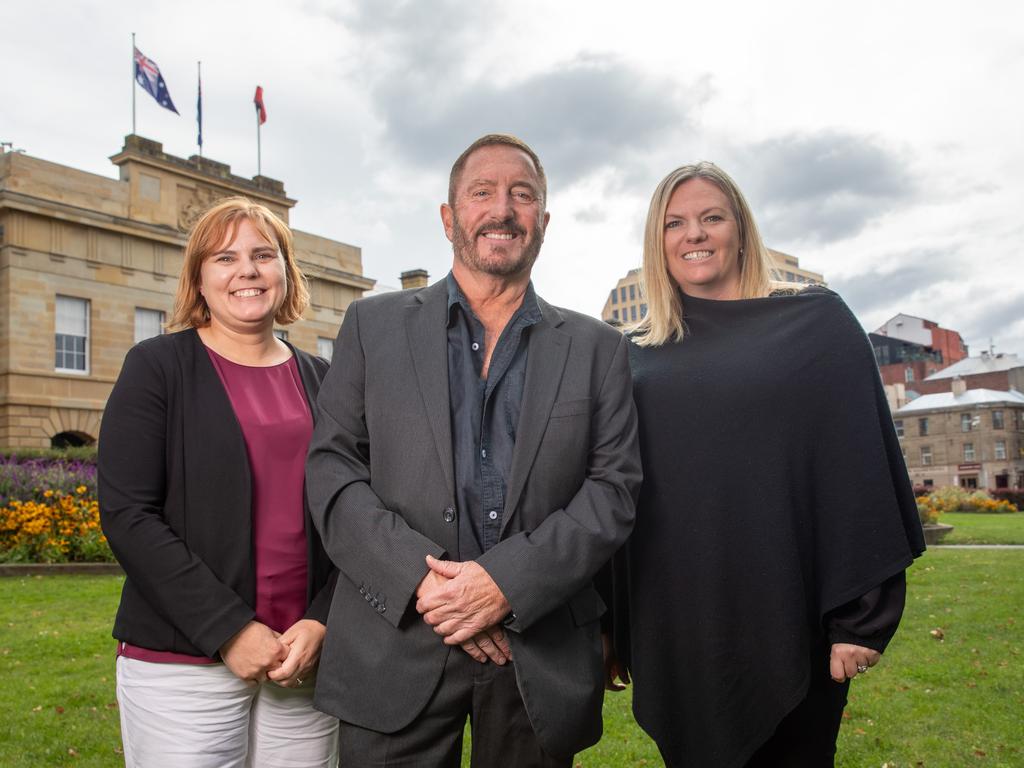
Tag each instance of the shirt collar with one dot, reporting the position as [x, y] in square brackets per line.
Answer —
[529, 310]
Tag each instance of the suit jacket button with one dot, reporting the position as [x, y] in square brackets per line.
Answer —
[449, 514]
[381, 608]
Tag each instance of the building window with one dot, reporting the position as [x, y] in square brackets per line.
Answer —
[899, 427]
[968, 451]
[965, 422]
[632, 292]
[615, 296]
[72, 337]
[615, 314]
[632, 313]
[1000, 452]
[281, 334]
[928, 483]
[908, 374]
[643, 310]
[325, 348]
[997, 420]
[148, 323]
[922, 427]
[622, 292]
[926, 455]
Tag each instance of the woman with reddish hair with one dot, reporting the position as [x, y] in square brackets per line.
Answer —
[202, 497]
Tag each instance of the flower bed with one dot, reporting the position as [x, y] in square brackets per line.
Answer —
[953, 499]
[49, 512]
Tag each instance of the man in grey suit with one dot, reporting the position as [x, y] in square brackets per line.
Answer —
[474, 464]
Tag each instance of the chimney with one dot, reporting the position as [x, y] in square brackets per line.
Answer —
[959, 386]
[415, 278]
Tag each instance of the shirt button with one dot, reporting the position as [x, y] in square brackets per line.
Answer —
[449, 514]
[475, 346]
[483, 453]
[493, 515]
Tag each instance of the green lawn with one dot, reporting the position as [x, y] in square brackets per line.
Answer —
[970, 528]
[934, 703]
[57, 664]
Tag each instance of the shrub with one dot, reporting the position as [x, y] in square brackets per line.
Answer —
[29, 478]
[62, 528]
[1013, 495]
[927, 511]
[86, 453]
[952, 498]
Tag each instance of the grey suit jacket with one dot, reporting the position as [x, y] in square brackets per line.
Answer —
[381, 490]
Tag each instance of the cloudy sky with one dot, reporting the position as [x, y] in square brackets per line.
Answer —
[879, 142]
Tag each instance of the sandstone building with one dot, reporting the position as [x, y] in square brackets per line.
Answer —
[625, 305]
[968, 437]
[89, 266]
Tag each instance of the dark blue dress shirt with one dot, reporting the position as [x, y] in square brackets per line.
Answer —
[485, 414]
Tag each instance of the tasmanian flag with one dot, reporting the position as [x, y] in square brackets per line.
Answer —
[261, 111]
[147, 74]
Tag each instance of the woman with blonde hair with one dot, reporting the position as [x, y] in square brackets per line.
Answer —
[776, 518]
[202, 497]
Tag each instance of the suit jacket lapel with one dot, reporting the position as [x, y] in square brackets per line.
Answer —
[425, 323]
[548, 351]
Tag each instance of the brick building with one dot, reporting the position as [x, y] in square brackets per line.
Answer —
[988, 371]
[909, 349]
[89, 266]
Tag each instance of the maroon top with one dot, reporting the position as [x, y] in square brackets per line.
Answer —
[271, 408]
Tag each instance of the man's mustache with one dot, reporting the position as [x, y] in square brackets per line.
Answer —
[508, 225]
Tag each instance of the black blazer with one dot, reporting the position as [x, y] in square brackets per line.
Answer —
[175, 500]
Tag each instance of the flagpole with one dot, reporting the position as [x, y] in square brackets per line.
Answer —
[133, 82]
[259, 162]
[199, 76]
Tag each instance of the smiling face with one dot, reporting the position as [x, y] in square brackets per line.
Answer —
[702, 241]
[497, 220]
[244, 281]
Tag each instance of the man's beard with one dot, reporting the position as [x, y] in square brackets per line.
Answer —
[496, 262]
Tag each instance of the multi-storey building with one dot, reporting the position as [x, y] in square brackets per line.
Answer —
[904, 362]
[787, 269]
[909, 349]
[968, 437]
[89, 266]
[625, 305]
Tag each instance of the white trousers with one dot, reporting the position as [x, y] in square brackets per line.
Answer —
[202, 716]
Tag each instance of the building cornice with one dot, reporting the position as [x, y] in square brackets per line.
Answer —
[39, 206]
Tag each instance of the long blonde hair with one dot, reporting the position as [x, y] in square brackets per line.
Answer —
[663, 322]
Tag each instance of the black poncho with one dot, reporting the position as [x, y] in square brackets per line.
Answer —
[774, 492]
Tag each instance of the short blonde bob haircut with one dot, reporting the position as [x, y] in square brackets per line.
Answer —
[214, 229]
[664, 320]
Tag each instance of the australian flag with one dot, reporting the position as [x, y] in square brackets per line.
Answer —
[147, 74]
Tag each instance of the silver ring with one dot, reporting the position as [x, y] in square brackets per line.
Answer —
[862, 668]
[298, 680]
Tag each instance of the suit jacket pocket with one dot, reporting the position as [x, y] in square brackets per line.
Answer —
[570, 408]
[586, 606]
